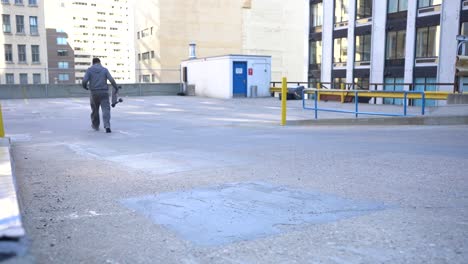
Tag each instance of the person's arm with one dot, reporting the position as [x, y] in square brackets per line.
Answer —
[84, 83]
[111, 80]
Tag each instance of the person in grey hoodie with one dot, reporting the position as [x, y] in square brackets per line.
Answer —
[97, 77]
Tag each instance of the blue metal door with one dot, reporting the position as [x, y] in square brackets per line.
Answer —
[240, 79]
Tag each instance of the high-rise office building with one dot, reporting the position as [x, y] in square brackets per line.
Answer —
[83, 29]
[398, 44]
[24, 42]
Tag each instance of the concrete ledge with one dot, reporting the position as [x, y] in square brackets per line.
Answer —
[75, 90]
[457, 99]
[385, 121]
[10, 220]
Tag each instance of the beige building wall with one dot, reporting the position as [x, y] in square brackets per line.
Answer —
[27, 38]
[277, 28]
[220, 27]
[101, 29]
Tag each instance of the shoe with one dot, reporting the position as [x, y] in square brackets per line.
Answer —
[95, 128]
[108, 130]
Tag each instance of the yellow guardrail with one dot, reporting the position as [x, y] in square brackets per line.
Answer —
[430, 95]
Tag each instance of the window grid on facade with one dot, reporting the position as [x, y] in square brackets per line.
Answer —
[10, 78]
[61, 41]
[6, 23]
[8, 52]
[315, 53]
[397, 6]
[33, 25]
[361, 83]
[23, 78]
[427, 3]
[341, 11]
[427, 42]
[19, 24]
[393, 84]
[395, 47]
[62, 53]
[36, 78]
[63, 65]
[22, 53]
[363, 48]
[35, 54]
[340, 50]
[64, 77]
[363, 9]
[316, 15]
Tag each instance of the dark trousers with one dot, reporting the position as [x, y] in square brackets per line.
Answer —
[100, 100]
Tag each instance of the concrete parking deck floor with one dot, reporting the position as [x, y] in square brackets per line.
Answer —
[178, 175]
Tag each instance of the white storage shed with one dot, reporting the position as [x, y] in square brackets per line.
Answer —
[228, 76]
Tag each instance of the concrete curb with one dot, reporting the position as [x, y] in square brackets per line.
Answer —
[11, 227]
[385, 121]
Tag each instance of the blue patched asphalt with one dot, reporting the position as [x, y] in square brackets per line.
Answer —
[244, 211]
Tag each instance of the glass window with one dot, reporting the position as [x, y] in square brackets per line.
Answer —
[146, 78]
[20, 24]
[6, 23]
[33, 2]
[23, 78]
[363, 48]
[396, 45]
[425, 84]
[61, 41]
[364, 9]
[393, 84]
[22, 53]
[8, 52]
[62, 53]
[315, 52]
[341, 11]
[64, 77]
[340, 50]
[426, 3]
[337, 82]
[63, 65]
[427, 42]
[397, 6]
[316, 15]
[18, 2]
[152, 54]
[5, 1]
[10, 78]
[33, 25]
[361, 83]
[35, 53]
[36, 78]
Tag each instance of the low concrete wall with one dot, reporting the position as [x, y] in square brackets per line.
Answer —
[74, 90]
[457, 99]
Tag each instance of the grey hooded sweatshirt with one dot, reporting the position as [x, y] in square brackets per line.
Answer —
[97, 77]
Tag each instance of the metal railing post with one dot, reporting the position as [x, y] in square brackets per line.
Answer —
[315, 104]
[405, 104]
[423, 105]
[356, 100]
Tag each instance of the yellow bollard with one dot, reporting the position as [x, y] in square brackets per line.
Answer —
[2, 130]
[319, 86]
[342, 86]
[284, 97]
